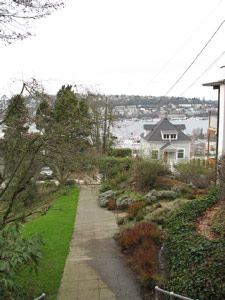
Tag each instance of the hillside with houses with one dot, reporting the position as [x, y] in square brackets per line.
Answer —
[158, 107]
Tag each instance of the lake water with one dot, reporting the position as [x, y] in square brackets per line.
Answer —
[127, 128]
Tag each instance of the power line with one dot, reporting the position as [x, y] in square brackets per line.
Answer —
[206, 70]
[197, 56]
[183, 45]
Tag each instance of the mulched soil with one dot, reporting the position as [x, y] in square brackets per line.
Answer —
[203, 224]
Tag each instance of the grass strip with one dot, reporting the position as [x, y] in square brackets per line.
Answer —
[56, 228]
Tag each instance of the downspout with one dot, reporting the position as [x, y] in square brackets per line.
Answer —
[217, 133]
[208, 139]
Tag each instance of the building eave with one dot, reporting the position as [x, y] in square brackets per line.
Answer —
[215, 84]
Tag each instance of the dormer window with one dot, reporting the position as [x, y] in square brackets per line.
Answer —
[169, 135]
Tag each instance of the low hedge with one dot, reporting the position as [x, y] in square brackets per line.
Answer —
[121, 152]
[196, 264]
[112, 166]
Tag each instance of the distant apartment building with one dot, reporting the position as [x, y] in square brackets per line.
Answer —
[131, 111]
[185, 105]
[119, 111]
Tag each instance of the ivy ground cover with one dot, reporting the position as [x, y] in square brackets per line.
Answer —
[196, 264]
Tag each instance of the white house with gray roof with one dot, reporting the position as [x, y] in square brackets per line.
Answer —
[165, 141]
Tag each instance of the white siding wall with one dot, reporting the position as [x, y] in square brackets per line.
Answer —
[147, 147]
[221, 138]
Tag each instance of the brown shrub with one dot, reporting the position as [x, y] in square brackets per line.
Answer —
[165, 183]
[112, 205]
[146, 261]
[132, 237]
[140, 243]
[133, 209]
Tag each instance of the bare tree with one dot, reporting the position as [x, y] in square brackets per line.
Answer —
[102, 114]
[17, 15]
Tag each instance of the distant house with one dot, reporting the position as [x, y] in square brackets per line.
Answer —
[4, 102]
[165, 141]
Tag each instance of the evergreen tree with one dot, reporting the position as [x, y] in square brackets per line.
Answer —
[15, 134]
[68, 135]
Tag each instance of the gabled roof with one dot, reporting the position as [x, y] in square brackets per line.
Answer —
[149, 127]
[167, 146]
[181, 126]
[164, 125]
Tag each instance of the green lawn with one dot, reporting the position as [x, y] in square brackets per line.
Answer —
[56, 228]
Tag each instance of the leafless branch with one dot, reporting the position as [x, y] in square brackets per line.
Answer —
[16, 16]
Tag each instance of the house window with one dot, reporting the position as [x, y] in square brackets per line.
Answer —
[180, 154]
[154, 154]
[166, 136]
[171, 136]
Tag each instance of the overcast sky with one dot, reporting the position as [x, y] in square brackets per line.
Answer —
[121, 47]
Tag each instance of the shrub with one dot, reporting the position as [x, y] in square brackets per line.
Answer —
[165, 183]
[29, 194]
[140, 244]
[200, 193]
[169, 195]
[120, 221]
[124, 201]
[112, 205]
[158, 205]
[132, 237]
[70, 183]
[46, 188]
[114, 183]
[17, 252]
[184, 191]
[161, 216]
[144, 174]
[200, 176]
[46, 184]
[112, 166]
[140, 216]
[154, 196]
[122, 152]
[105, 186]
[133, 194]
[196, 264]
[133, 210]
[106, 197]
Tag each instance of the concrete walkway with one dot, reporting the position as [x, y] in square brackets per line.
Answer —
[94, 268]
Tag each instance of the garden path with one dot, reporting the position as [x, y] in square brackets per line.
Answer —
[95, 269]
[204, 222]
